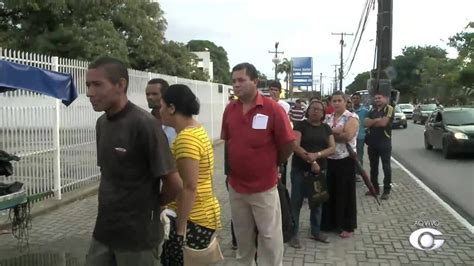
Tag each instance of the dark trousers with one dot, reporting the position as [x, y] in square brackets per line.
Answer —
[383, 152]
[102, 255]
[342, 195]
[282, 169]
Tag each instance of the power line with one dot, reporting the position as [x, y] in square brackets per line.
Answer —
[371, 4]
[364, 11]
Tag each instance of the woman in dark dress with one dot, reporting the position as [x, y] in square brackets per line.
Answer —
[314, 143]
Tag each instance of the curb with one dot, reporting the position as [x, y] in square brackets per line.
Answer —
[456, 215]
[50, 204]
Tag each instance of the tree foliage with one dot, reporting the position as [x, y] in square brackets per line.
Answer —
[219, 58]
[359, 83]
[132, 31]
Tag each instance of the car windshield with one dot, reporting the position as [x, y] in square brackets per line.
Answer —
[397, 109]
[428, 107]
[405, 106]
[459, 117]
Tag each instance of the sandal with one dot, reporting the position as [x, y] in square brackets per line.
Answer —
[345, 234]
[320, 238]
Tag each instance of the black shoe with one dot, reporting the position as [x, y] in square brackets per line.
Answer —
[385, 195]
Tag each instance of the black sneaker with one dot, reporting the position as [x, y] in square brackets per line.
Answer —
[385, 195]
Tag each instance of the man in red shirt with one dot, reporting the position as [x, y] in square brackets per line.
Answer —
[258, 136]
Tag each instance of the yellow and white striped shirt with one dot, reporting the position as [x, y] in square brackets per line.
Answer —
[194, 143]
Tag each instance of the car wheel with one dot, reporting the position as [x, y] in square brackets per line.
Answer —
[428, 146]
[446, 152]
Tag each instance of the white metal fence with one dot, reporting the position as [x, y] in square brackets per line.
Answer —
[57, 143]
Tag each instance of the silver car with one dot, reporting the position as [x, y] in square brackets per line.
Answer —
[407, 109]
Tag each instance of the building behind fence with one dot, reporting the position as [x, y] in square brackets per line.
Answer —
[57, 143]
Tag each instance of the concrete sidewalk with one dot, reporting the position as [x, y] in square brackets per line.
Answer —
[62, 236]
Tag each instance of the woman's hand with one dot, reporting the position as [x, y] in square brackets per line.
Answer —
[314, 156]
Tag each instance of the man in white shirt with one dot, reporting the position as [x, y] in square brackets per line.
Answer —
[275, 90]
[154, 90]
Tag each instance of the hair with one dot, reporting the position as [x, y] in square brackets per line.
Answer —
[183, 99]
[114, 69]
[164, 84]
[314, 98]
[275, 84]
[306, 114]
[250, 70]
[339, 93]
[356, 94]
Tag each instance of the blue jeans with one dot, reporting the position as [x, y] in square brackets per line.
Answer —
[360, 151]
[297, 196]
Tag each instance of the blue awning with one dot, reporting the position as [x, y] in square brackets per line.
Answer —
[15, 76]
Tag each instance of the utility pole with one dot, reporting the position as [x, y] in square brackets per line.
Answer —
[341, 69]
[321, 83]
[384, 47]
[335, 78]
[275, 59]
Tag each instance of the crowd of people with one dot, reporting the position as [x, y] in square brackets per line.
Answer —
[156, 191]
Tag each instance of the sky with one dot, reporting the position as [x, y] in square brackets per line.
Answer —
[248, 29]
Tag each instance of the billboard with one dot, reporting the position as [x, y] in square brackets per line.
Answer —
[302, 71]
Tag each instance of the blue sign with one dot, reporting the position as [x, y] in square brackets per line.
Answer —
[302, 71]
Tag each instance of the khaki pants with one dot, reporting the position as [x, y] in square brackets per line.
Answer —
[261, 211]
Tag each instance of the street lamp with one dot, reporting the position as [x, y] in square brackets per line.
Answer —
[275, 59]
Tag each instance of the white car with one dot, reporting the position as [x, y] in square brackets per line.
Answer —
[407, 109]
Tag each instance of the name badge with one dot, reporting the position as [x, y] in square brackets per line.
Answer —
[260, 121]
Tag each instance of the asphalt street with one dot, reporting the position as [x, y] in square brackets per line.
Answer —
[452, 180]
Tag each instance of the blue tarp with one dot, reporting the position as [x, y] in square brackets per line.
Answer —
[15, 76]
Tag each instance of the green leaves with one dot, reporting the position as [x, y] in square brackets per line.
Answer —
[129, 30]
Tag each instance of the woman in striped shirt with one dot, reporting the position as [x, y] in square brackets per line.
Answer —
[197, 209]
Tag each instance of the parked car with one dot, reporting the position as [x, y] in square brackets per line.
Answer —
[399, 118]
[451, 130]
[422, 112]
[407, 109]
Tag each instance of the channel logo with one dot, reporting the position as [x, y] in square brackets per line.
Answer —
[426, 239]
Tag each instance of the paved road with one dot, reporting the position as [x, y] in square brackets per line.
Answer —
[452, 180]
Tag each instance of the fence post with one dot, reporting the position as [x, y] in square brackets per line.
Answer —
[212, 111]
[56, 139]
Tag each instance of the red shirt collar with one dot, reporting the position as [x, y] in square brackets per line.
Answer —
[258, 100]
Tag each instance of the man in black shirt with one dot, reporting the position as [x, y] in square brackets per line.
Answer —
[133, 156]
[379, 142]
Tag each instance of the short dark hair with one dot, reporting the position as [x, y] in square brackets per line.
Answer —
[250, 70]
[314, 98]
[114, 69]
[275, 84]
[306, 114]
[164, 84]
[356, 94]
[183, 99]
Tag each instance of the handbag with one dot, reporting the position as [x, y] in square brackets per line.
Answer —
[316, 188]
[200, 257]
[210, 255]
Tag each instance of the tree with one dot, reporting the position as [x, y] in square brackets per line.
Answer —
[218, 57]
[359, 83]
[132, 31]
[464, 43]
[285, 67]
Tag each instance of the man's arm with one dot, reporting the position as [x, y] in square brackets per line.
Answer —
[285, 150]
[384, 121]
[172, 186]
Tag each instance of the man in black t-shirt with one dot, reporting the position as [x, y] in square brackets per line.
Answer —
[379, 142]
[133, 156]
